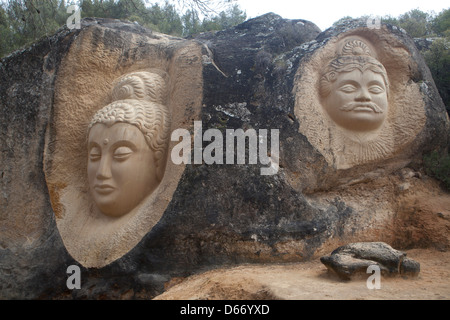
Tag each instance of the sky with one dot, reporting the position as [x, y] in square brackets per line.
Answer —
[325, 13]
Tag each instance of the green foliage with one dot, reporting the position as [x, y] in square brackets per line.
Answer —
[225, 19]
[438, 60]
[419, 24]
[191, 23]
[390, 20]
[416, 23]
[164, 19]
[437, 165]
[4, 32]
[441, 24]
[115, 9]
[342, 20]
[229, 18]
[23, 22]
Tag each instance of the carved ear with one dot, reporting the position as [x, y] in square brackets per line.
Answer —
[325, 83]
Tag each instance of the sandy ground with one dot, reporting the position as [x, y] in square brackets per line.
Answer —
[312, 281]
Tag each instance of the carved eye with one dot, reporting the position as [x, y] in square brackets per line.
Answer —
[95, 154]
[122, 153]
[348, 88]
[376, 89]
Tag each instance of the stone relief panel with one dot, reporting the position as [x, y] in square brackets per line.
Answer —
[127, 144]
[355, 100]
[106, 153]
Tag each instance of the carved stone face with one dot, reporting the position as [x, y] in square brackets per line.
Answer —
[358, 100]
[121, 168]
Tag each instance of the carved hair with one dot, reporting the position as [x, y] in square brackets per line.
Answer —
[140, 95]
[356, 55]
[140, 85]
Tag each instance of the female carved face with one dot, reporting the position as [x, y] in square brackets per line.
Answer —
[358, 100]
[121, 168]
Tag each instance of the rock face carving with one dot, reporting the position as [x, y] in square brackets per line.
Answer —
[200, 216]
[127, 144]
[106, 163]
[358, 115]
[354, 89]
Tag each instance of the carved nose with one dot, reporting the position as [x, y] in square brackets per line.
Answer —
[363, 96]
[104, 169]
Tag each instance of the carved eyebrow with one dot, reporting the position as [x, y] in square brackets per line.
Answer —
[347, 85]
[348, 81]
[93, 144]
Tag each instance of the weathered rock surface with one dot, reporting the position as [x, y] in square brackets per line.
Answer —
[218, 215]
[355, 258]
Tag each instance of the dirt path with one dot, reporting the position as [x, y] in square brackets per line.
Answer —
[311, 281]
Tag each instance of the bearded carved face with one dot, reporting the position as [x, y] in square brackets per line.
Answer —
[354, 89]
[357, 100]
[346, 105]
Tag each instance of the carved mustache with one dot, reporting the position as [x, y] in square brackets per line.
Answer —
[353, 105]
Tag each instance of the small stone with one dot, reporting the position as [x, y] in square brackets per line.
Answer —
[404, 186]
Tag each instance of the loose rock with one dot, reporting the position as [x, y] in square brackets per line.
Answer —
[353, 259]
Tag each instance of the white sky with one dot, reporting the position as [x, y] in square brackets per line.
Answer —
[325, 13]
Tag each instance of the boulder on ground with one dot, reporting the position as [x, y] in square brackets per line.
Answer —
[355, 258]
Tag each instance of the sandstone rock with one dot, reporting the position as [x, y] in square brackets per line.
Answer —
[355, 258]
[203, 215]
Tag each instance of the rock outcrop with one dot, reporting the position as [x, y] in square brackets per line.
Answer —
[260, 75]
[355, 258]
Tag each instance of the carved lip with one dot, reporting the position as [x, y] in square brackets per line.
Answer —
[104, 188]
[363, 109]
